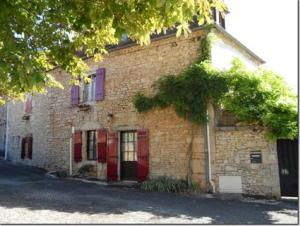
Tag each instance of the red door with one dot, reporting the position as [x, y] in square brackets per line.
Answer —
[112, 157]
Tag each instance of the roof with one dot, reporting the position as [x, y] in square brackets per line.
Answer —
[194, 27]
[172, 32]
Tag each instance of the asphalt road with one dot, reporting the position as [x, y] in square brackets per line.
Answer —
[28, 196]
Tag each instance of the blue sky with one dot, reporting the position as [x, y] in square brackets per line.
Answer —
[268, 28]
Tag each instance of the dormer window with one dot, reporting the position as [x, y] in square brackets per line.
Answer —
[218, 18]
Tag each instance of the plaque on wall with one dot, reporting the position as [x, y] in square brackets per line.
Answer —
[255, 157]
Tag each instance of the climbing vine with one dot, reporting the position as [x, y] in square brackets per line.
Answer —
[256, 97]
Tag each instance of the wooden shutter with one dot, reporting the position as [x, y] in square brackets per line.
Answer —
[75, 95]
[78, 146]
[142, 154]
[112, 159]
[28, 104]
[23, 143]
[100, 84]
[29, 140]
[102, 145]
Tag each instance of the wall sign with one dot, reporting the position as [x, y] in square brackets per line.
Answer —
[255, 157]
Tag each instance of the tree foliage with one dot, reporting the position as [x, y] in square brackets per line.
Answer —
[189, 93]
[255, 97]
[37, 35]
[261, 97]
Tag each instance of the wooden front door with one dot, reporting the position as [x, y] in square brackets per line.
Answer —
[128, 155]
[287, 151]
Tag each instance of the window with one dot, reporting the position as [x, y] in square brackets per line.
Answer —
[128, 146]
[89, 90]
[91, 145]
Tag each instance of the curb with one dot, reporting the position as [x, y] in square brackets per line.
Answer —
[87, 181]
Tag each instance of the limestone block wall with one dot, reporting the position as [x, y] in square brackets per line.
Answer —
[232, 158]
[128, 71]
[37, 125]
[2, 129]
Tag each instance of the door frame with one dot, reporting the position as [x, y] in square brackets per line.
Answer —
[119, 151]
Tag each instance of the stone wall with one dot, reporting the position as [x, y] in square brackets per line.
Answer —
[128, 71]
[37, 125]
[2, 129]
[232, 158]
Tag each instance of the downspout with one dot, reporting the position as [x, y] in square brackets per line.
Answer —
[71, 153]
[210, 183]
[6, 140]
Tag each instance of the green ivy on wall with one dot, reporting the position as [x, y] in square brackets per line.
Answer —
[256, 97]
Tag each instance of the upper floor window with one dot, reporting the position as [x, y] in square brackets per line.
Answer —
[92, 91]
[89, 91]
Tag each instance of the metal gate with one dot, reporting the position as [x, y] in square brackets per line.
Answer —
[287, 151]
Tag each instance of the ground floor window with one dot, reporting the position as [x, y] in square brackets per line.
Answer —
[91, 145]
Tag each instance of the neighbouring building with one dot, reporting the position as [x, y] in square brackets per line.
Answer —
[96, 124]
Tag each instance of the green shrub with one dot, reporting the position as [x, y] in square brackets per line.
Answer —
[165, 184]
[85, 169]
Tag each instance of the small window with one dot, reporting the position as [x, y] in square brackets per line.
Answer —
[91, 145]
[89, 90]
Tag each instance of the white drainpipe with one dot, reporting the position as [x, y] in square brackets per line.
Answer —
[6, 140]
[212, 184]
[71, 152]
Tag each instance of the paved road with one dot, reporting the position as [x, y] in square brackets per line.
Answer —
[28, 196]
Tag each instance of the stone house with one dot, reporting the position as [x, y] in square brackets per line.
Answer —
[96, 124]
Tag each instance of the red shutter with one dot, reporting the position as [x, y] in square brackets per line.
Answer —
[143, 154]
[102, 138]
[77, 146]
[29, 140]
[28, 104]
[112, 159]
[100, 84]
[23, 148]
[75, 95]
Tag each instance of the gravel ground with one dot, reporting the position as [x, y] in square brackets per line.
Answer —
[28, 196]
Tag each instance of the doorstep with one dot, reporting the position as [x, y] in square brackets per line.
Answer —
[88, 180]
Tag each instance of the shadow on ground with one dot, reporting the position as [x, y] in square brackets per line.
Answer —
[28, 188]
